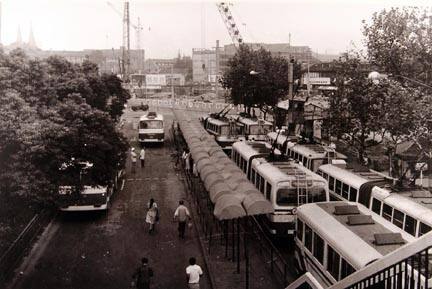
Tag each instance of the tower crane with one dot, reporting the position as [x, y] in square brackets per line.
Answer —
[126, 39]
[230, 24]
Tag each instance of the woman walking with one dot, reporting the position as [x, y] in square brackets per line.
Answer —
[152, 215]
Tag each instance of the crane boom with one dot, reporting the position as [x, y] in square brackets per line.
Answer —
[230, 24]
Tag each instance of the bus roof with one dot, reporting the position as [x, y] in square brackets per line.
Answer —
[252, 121]
[351, 176]
[218, 121]
[354, 242]
[418, 206]
[152, 116]
[283, 171]
[314, 151]
[247, 149]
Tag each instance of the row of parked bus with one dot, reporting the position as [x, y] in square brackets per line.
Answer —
[342, 217]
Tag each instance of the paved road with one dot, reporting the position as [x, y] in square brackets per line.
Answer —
[94, 250]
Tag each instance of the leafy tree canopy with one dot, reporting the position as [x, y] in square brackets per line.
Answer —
[263, 89]
[399, 41]
[54, 111]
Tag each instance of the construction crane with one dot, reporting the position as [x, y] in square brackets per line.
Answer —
[230, 24]
[126, 37]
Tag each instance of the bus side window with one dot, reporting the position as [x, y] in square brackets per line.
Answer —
[376, 206]
[338, 187]
[424, 229]
[353, 194]
[345, 191]
[318, 248]
[387, 212]
[308, 238]
[258, 180]
[331, 184]
[253, 177]
[268, 191]
[299, 232]
[333, 262]
[398, 218]
[410, 225]
[261, 188]
[346, 269]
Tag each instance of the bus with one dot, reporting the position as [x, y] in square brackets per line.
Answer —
[335, 239]
[348, 183]
[286, 185]
[313, 155]
[225, 130]
[244, 152]
[88, 196]
[255, 129]
[280, 140]
[410, 210]
[151, 128]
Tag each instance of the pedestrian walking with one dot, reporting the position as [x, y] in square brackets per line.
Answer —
[152, 216]
[142, 157]
[133, 159]
[193, 274]
[181, 215]
[142, 275]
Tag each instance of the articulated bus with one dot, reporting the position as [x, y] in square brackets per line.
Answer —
[335, 239]
[88, 197]
[312, 156]
[225, 130]
[351, 184]
[255, 129]
[151, 128]
[286, 185]
[410, 210]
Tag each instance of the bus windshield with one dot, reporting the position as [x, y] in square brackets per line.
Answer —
[151, 124]
[286, 197]
[318, 195]
[259, 129]
[224, 130]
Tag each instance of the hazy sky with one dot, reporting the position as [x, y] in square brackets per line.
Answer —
[169, 26]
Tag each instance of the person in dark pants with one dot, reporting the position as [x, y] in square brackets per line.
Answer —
[181, 215]
[142, 275]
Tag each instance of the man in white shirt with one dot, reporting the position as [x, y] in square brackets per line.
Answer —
[193, 274]
[181, 215]
[142, 157]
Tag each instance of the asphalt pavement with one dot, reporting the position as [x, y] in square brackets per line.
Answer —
[101, 250]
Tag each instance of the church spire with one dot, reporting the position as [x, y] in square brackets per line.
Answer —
[19, 38]
[31, 41]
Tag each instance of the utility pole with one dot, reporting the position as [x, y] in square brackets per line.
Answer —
[290, 78]
[217, 68]
[172, 81]
[126, 42]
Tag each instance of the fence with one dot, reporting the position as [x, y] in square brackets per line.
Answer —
[191, 105]
[13, 256]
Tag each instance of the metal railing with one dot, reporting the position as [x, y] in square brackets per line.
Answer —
[15, 253]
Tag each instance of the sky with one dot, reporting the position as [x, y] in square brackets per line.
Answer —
[170, 27]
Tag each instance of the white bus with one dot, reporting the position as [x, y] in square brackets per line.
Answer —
[286, 185]
[312, 155]
[280, 140]
[335, 239]
[244, 152]
[409, 210]
[86, 197]
[226, 131]
[255, 129]
[347, 183]
[151, 128]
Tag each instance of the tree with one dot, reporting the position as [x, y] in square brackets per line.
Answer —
[52, 112]
[356, 108]
[262, 90]
[399, 41]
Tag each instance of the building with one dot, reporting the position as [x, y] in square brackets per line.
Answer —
[207, 65]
